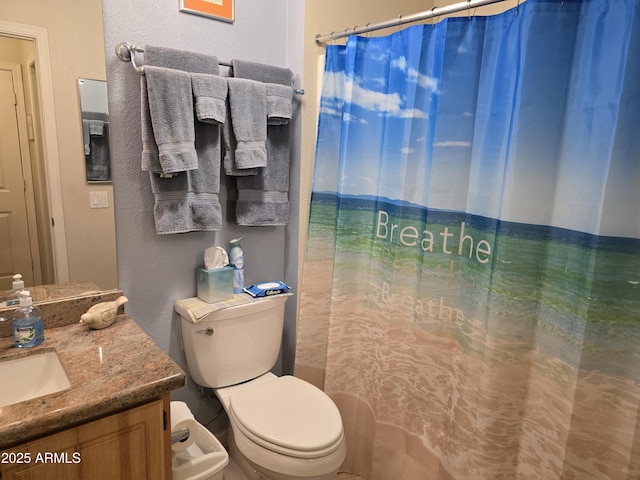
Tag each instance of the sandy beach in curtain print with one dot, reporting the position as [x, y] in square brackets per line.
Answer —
[513, 357]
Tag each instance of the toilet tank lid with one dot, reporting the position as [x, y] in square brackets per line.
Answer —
[290, 413]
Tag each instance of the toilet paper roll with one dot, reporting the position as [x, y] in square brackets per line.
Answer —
[181, 417]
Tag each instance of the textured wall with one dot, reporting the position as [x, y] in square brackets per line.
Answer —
[154, 271]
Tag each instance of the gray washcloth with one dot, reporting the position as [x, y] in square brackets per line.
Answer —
[263, 198]
[210, 93]
[171, 111]
[279, 107]
[248, 104]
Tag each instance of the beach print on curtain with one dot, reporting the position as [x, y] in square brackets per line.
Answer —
[471, 290]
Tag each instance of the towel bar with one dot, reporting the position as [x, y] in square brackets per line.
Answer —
[127, 53]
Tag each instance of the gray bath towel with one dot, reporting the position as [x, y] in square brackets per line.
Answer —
[263, 198]
[248, 105]
[210, 94]
[188, 201]
[191, 62]
[171, 111]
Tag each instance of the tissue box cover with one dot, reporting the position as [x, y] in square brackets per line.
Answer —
[215, 285]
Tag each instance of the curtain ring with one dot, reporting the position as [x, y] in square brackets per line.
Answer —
[399, 22]
[518, 8]
[469, 9]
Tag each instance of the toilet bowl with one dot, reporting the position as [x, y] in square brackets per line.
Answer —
[281, 428]
[284, 428]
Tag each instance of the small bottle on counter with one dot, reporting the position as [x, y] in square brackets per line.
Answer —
[236, 260]
[17, 286]
[28, 327]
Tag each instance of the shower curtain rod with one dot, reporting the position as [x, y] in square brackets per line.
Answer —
[401, 20]
[127, 51]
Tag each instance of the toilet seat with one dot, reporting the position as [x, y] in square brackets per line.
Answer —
[288, 416]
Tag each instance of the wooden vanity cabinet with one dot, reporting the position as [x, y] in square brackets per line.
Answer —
[133, 444]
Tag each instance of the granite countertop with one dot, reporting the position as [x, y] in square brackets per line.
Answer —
[110, 370]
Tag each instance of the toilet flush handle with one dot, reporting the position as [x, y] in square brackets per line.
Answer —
[207, 331]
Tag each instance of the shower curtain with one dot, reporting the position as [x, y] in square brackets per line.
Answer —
[471, 289]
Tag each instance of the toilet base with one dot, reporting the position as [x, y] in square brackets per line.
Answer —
[233, 472]
[242, 469]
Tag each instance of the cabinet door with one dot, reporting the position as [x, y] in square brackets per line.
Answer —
[127, 445]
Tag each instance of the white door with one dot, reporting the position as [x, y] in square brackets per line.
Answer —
[15, 235]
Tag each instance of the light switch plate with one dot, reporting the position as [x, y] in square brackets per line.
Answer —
[98, 200]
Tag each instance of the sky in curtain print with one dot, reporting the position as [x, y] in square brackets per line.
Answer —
[467, 117]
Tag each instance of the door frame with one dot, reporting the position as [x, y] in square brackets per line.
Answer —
[40, 38]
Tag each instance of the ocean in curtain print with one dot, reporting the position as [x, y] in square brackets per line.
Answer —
[530, 336]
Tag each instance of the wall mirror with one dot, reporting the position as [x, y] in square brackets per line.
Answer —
[94, 112]
[69, 236]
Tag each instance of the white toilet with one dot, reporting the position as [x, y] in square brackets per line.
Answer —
[281, 427]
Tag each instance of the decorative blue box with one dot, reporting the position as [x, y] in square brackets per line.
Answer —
[215, 285]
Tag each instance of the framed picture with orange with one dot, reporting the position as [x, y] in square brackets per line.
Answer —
[218, 9]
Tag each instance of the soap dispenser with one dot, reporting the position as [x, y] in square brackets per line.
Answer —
[18, 286]
[28, 327]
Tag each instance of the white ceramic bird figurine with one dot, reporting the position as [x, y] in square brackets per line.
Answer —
[102, 315]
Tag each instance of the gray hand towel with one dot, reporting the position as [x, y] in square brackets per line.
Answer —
[178, 60]
[248, 105]
[263, 199]
[279, 107]
[229, 144]
[210, 94]
[150, 156]
[171, 111]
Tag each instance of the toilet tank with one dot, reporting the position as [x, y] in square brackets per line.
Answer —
[234, 344]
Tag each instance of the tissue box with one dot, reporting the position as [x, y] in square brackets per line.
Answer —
[215, 285]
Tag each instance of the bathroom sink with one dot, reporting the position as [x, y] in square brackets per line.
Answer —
[30, 377]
